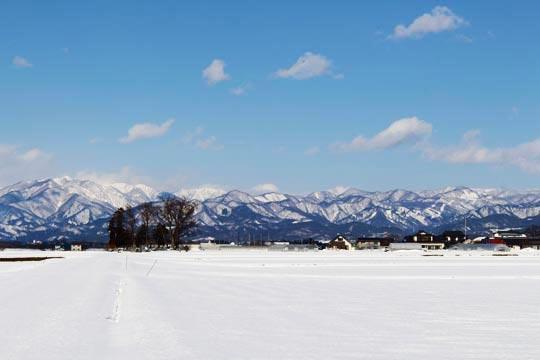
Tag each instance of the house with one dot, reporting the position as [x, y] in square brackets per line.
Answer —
[515, 238]
[426, 241]
[76, 247]
[420, 237]
[451, 236]
[373, 242]
[340, 242]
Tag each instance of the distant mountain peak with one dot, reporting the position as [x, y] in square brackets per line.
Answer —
[201, 193]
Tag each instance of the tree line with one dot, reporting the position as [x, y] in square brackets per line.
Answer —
[151, 225]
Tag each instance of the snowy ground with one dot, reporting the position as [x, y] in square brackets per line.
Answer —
[255, 305]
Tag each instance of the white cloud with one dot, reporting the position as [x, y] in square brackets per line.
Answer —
[525, 156]
[20, 62]
[265, 188]
[146, 131]
[438, 20]
[406, 130]
[215, 72]
[307, 66]
[312, 151]
[19, 164]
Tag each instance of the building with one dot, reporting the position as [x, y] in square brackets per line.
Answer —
[301, 247]
[340, 242]
[420, 237]
[509, 234]
[416, 246]
[76, 247]
[451, 236]
[426, 241]
[515, 238]
[481, 247]
[364, 243]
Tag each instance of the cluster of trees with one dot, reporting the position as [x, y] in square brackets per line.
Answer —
[152, 225]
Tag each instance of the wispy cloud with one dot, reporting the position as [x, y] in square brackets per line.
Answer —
[198, 138]
[130, 175]
[95, 140]
[241, 90]
[125, 174]
[312, 151]
[18, 163]
[21, 62]
[307, 66]
[464, 38]
[190, 136]
[525, 156]
[265, 188]
[33, 155]
[146, 131]
[438, 20]
[209, 143]
[406, 130]
[215, 72]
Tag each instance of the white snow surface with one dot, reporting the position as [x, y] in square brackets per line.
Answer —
[201, 193]
[270, 305]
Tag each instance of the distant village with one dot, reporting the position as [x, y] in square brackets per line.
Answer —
[504, 240]
[500, 241]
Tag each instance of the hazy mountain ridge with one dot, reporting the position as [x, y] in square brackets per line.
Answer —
[47, 209]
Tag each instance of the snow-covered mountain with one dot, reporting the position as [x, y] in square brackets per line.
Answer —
[66, 204]
[202, 193]
[63, 207]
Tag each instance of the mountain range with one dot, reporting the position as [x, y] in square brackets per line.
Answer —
[75, 210]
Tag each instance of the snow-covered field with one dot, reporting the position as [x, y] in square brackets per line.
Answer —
[257, 305]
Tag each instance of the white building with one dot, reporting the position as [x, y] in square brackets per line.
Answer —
[416, 246]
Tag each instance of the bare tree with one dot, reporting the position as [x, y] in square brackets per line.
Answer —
[116, 230]
[148, 214]
[179, 217]
[167, 213]
[131, 224]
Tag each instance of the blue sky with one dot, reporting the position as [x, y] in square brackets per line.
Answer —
[302, 95]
